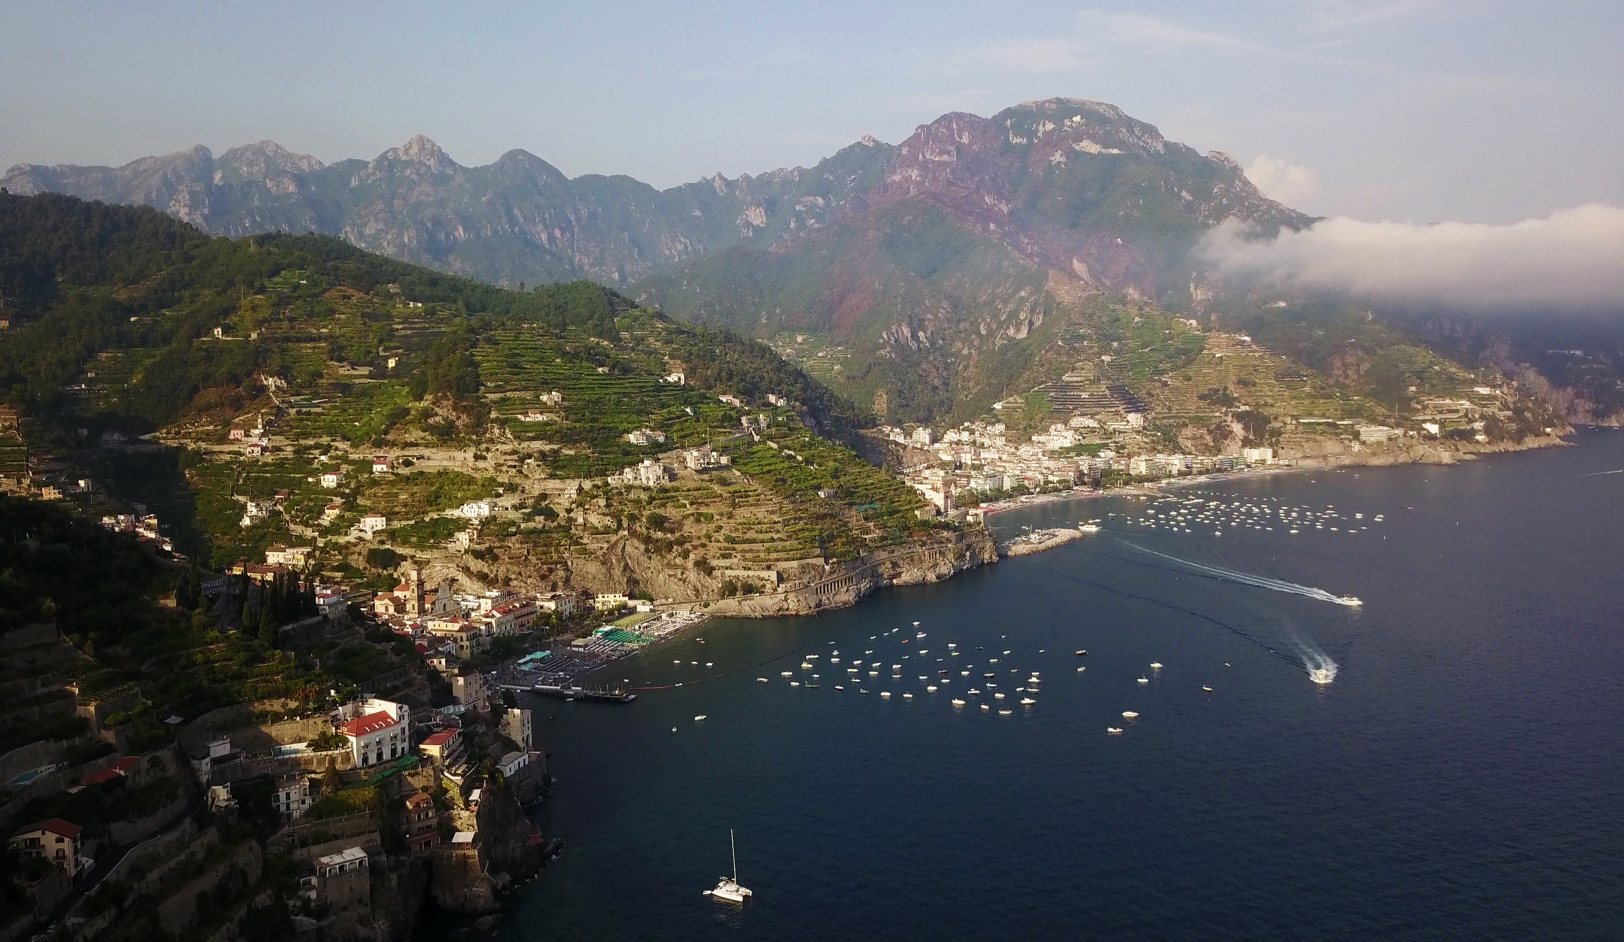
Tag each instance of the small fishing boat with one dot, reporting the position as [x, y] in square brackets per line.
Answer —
[1129, 714]
[839, 687]
[958, 703]
[931, 689]
[1027, 701]
[794, 683]
[1113, 730]
[1155, 665]
[1080, 652]
[1005, 712]
[699, 717]
[1144, 680]
[907, 696]
[1207, 689]
[761, 680]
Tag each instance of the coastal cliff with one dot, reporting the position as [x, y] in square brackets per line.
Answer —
[911, 564]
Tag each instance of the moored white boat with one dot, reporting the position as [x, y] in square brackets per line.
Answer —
[728, 888]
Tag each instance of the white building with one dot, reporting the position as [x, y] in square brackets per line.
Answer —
[609, 601]
[1258, 455]
[476, 509]
[645, 436]
[292, 797]
[379, 733]
[332, 479]
[372, 523]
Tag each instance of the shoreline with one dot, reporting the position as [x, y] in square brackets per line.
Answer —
[1442, 457]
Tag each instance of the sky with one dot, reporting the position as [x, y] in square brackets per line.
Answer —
[1413, 111]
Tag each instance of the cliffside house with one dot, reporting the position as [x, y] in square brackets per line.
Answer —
[54, 839]
[292, 797]
[421, 825]
[344, 882]
[444, 748]
[375, 738]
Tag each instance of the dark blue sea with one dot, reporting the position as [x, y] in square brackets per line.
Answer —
[1461, 778]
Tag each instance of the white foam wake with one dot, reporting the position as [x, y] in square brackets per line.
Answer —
[1262, 582]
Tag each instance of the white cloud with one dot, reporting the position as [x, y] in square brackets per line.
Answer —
[1572, 259]
[1040, 56]
[1292, 184]
[1130, 29]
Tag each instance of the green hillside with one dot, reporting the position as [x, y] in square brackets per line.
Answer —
[126, 323]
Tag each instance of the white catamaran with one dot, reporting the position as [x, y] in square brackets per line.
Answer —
[729, 889]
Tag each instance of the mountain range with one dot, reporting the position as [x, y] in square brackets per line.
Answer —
[977, 259]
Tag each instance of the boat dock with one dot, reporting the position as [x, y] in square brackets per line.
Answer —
[574, 693]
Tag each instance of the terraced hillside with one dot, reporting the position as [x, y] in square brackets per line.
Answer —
[289, 390]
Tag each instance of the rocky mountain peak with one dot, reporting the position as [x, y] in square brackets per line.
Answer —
[421, 149]
[265, 158]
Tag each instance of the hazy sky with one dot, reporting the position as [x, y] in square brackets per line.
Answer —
[1389, 109]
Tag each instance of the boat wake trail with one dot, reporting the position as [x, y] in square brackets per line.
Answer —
[1319, 665]
[1249, 638]
[1599, 473]
[1246, 578]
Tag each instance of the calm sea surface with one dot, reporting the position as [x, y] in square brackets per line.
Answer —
[1462, 777]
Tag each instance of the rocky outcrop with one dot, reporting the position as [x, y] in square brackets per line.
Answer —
[910, 564]
[399, 888]
[468, 877]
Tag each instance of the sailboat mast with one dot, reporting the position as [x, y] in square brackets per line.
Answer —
[735, 847]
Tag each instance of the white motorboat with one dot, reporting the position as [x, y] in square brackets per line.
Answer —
[931, 689]
[1005, 712]
[1322, 675]
[1144, 680]
[958, 702]
[840, 687]
[1155, 665]
[885, 694]
[761, 680]
[907, 696]
[998, 696]
[728, 888]
[699, 717]
[1114, 730]
[1027, 701]
[794, 683]
[806, 665]
[1348, 600]
[1206, 688]
[1129, 714]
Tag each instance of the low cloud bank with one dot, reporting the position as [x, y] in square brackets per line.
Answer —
[1571, 260]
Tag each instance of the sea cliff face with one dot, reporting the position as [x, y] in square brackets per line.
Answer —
[911, 564]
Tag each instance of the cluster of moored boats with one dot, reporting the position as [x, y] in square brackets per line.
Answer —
[1197, 508]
